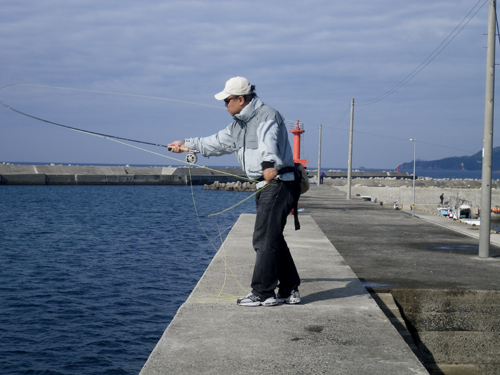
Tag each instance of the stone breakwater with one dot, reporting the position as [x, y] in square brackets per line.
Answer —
[232, 186]
[388, 190]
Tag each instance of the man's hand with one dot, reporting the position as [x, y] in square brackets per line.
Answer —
[176, 146]
[269, 174]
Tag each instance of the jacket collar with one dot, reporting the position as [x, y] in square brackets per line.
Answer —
[249, 111]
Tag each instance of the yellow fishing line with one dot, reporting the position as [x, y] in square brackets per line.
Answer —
[112, 93]
[207, 298]
[170, 157]
[227, 268]
[240, 202]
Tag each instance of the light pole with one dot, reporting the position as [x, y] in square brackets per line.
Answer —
[414, 147]
[484, 224]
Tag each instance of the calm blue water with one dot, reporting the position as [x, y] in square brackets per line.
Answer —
[91, 276]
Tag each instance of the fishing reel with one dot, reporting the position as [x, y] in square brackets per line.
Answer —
[191, 158]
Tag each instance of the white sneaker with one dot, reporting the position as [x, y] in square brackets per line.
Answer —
[252, 300]
[292, 299]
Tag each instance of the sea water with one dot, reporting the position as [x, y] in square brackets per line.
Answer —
[90, 276]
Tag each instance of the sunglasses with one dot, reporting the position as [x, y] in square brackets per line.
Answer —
[227, 100]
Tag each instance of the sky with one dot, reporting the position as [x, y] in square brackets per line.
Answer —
[148, 70]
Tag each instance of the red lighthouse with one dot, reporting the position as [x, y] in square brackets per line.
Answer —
[297, 131]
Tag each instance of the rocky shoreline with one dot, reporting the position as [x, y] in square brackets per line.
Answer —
[231, 186]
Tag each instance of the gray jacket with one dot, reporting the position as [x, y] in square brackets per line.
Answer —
[257, 134]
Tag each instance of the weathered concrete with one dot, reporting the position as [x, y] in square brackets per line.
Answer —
[22, 179]
[14, 174]
[448, 296]
[338, 328]
[425, 274]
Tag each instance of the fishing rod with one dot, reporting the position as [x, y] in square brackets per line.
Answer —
[190, 158]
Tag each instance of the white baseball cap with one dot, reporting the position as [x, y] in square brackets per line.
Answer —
[235, 86]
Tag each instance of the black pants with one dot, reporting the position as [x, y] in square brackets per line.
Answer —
[273, 261]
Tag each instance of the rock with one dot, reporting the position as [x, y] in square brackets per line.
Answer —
[231, 186]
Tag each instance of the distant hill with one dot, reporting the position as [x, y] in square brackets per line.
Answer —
[464, 163]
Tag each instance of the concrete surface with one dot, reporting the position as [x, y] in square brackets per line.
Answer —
[448, 296]
[423, 271]
[390, 247]
[15, 174]
[338, 328]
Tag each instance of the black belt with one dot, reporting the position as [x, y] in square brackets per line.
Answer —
[286, 170]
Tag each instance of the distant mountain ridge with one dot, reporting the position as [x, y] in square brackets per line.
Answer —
[464, 163]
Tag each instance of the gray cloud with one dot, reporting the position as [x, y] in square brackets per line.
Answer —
[307, 59]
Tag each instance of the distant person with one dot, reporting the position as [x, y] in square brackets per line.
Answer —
[442, 198]
[259, 138]
[321, 176]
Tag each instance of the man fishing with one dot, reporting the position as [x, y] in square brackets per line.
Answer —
[259, 138]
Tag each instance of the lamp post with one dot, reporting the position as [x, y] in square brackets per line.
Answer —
[414, 147]
[484, 225]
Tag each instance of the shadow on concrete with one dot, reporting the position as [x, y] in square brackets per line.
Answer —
[457, 248]
[424, 353]
[351, 288]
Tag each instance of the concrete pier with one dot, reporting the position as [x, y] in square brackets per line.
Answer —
[448, 297]
[338, 328]
[383, 293]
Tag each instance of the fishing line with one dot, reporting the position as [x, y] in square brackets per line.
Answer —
[222, 232]
[110, 93]
[190, 178]
[240, 202]
[116, 93]
[120, 140]
[208, 298]
[80, 130]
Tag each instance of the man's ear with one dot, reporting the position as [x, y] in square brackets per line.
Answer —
[242, 102]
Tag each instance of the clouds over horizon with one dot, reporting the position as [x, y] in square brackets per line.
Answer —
[307, 60]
